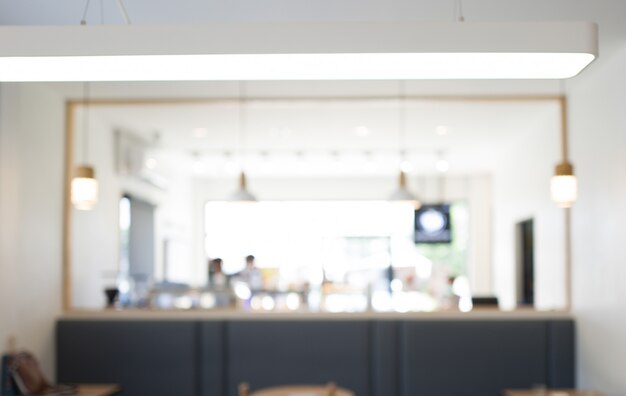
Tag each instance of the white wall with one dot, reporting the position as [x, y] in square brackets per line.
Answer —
[9, 209]
[96, 230]
[95, 233]
[598, 134]
[31, 193]
[521, 192]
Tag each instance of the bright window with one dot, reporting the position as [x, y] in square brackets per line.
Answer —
[349, 242]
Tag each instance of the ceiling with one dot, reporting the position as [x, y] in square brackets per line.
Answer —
[306, 129]
[323, 137]
[607, 13]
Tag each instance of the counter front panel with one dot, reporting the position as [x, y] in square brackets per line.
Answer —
[198, 357]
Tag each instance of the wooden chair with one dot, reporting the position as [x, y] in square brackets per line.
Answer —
[296, 390]
[549, 392]
[20, 374]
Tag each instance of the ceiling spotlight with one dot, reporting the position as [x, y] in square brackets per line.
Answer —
[370, 162]
[279, 133]
[266, 164]
[229, 164]
[442, 165]
[362, 131]
[406, 166]
[151, 163]
[231, 167]
[442, 130]
[197, 165]
[200, 133]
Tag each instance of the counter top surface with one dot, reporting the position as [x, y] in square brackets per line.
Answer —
[148, 314]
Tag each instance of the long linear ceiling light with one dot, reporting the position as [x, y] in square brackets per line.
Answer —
[331, 51]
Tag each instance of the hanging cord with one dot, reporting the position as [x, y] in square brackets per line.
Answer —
[402, 120]
[442, 179]
[564, 123]
[458, 11]
[83, 20]
[242, 122]
[85, 120]
[442, 188]
[120, 7]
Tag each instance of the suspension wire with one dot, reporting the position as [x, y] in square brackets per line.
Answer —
[85, 120]
[458, 11]
[241, 88]
[122, 8]
[442, 187]
[83, 20]
[402, 119]
[442, 179]
[564, 122]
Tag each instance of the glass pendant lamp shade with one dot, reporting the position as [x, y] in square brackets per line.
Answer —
[84, 188]
[242, 194]
[402, 194]
[564, 186]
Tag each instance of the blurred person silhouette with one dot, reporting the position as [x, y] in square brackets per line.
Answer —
[251, 274]
[217, 277]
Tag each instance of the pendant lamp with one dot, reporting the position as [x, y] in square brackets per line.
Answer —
[242, 194]
[84, 188]
[403, 194]
[564, 185]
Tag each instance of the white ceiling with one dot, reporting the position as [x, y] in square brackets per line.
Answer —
[609, 14]
[475, 129]
[333, 136]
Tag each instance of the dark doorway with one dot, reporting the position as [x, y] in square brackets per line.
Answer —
[526, 262]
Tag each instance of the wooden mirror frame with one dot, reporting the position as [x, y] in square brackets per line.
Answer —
[70, 126]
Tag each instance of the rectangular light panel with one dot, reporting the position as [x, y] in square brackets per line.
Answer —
[297, 52]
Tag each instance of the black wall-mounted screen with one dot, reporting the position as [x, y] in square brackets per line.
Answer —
[432, 224]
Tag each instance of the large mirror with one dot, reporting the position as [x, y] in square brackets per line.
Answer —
[170, 229]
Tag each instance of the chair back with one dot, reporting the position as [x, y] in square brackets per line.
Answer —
[27, 375]
[330, 389]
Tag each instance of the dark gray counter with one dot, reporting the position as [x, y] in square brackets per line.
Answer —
[407, 357]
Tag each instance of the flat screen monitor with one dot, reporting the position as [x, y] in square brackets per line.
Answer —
[432, 224]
